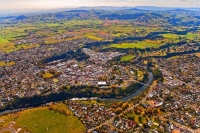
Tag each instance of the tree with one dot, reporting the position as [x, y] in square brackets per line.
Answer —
[157, 74]
[118, 111]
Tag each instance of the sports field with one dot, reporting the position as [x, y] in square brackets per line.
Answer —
[42, 120]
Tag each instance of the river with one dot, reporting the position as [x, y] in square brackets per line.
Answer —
[124, 99]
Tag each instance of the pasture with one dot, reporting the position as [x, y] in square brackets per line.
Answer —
[6, 45]
[141, 45]
[127, 58]
[94, 37]
[188, 36]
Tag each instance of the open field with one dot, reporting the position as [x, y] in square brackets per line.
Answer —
[27, 46]
[47, 75]
[171, 36]
[6, 45]
[6, 64]
[42, 120]
[127, 58]
[5, 122]
[94, 37]
[189, 36]
[192, 36]
[141, 45]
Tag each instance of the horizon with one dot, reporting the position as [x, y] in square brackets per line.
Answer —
[52, 10]
[23, 5]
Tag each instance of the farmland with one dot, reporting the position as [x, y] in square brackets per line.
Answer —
[189, 36]
[70, 55]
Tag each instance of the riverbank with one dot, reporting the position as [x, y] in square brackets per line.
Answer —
[124, 99]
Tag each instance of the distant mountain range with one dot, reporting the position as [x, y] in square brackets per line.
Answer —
[151, 8]
[140, 14]
[107, 8]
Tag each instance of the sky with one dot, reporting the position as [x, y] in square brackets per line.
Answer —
[17, 5]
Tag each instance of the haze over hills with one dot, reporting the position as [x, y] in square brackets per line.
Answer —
[100, 68]
[151, 15]
[107, 8]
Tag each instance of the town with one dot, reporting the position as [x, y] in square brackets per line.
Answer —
[99, 71]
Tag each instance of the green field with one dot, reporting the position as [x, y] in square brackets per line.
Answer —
[127, 58]
[141, 45]
[42, 120]
[192, 36]
[94, 37]
[170, 36]
[6, 45]
[189, 36]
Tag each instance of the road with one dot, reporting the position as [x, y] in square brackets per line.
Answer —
[175, 78]
[181, 80]
[108, 122]
[131, 78]
[179, 125]
[7, 129]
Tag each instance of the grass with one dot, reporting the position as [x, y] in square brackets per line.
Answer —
[140, 75]
[3, 40]
[42, 120]
[192, 36]
[27, 46]
[127, 58]
[7, 64]
[6, 45]
[7, 119]
[171, 36]
[6, 122]
[136, 117]
[141, 45]
[94, 37]
[189, 36]
[47, 75]
[55, 80]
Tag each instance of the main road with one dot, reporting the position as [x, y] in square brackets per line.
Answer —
[108, 122]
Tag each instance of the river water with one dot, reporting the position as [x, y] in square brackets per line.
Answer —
[124, 99]
[111, 99]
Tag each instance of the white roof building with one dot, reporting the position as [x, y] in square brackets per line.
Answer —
[102, 83]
